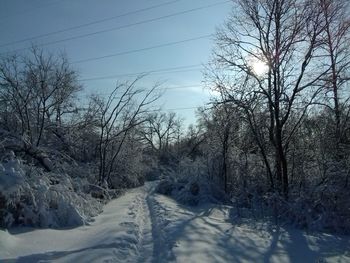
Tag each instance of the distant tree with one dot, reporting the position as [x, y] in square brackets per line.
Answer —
[161, 130]
[123, 110]
[38, 90]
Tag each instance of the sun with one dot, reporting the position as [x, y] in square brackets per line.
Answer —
[258, 66]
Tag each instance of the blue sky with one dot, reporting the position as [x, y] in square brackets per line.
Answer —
[24, 19]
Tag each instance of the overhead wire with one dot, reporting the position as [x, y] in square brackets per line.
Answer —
[125, 26]
[172, 109]
[30, 10]
[90, 23]
[194, 67]
[164, 70]
[163, 88]
[142, 49]
[180, 108]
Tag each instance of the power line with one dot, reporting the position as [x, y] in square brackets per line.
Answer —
[182, 87]
[30, 10]
[127, 25]
[141, 73]
[163, 88]
[183, 108]
[180, 108]
[195, 67]
[89, 24]
[173, 109]
[142, 49]
[166, 88]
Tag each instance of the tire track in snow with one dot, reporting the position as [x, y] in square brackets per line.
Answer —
[161, 248]
[138, 225]
[146, 246]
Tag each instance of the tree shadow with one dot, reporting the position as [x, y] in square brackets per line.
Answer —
[246, 242]
[120, 243]
[27, 229]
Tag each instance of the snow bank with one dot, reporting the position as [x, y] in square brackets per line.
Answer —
[31, 197]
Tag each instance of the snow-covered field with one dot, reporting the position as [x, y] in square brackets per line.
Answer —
[145, 227]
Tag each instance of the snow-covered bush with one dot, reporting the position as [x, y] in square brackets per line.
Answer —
[190, 185]
[29, 196]
[325, 209]
[128, 170]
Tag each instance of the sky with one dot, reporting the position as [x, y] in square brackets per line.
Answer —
[113, 40]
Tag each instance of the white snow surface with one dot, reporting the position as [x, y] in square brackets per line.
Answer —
[142, 226]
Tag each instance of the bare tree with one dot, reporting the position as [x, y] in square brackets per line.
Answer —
[39, 90]
[266, 65]
[336, 48]
[15, 95]
[160, 130]
[124, 109]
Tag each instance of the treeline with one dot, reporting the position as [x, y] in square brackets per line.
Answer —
[61, 151]
[63, 154]
[43, 106]
[280, 122]
[276, 135]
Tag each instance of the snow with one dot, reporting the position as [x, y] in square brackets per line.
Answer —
[31, 197]
[142, 226]
[11, 174]
[113, 236]
[206, 234]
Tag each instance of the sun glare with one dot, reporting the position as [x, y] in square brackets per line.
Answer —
[258, 67]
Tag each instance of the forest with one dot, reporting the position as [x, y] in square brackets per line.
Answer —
[273, 143]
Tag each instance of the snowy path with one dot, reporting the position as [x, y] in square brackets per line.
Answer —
[145, 227]
[122, 233]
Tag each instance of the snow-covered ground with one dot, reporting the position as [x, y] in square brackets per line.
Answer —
[145, 227]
